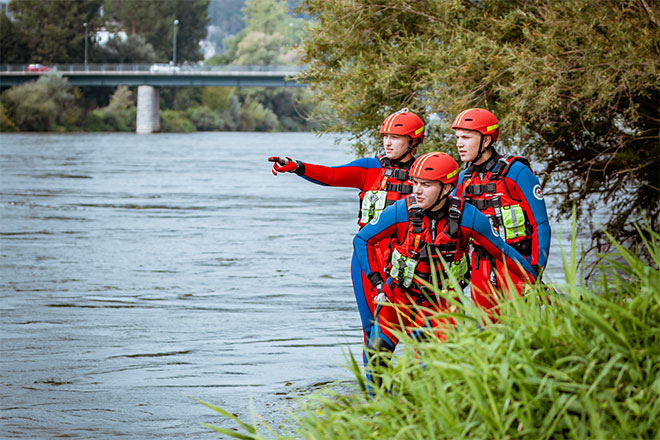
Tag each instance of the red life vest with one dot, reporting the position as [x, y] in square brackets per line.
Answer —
[392, 184]
[490, 195]
[427, 241]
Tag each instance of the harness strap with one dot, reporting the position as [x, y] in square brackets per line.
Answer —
[455, 214]
[477, 190]
[482, 254]
[401, 188]
[385, 162]
[416, 219]
[482, 204]
[396, 173]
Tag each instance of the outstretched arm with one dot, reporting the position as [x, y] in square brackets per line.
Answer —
[351, 175]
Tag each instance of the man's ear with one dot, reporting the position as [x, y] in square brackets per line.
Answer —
[488, 141]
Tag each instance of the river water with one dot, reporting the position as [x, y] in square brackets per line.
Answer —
[137, 272]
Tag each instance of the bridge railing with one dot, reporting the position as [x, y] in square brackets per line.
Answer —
[157, 67]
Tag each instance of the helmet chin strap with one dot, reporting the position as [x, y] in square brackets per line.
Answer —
[439, 199]
[481, 146]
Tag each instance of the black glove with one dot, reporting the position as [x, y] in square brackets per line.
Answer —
[286, 165]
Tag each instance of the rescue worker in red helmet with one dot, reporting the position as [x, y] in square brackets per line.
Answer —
[382, 180]
[506, 190]
[430, 232]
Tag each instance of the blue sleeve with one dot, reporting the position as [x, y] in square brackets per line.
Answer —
[481, 230]
[376, 230]
[530, 188]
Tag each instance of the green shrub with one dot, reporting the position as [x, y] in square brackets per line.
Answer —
[44, 105]
[118, 115]
[205, 119]
[584, 364]
[255, 117]
[175, 121]
[6, 124]
[217, 98]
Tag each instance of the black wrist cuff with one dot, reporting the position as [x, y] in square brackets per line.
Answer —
[301, 168]
[375, 278]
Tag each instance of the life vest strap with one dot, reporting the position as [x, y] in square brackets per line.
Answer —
[396, 173]
[455, 214]
[401, 188]
[477, 190]
[482, 204]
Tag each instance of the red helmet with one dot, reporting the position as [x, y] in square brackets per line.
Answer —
[478, 119]
[436, 166]
[405, 123]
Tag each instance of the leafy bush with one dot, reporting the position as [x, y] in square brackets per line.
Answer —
[217, 98]
[584, 364]
[42, 105]
[175, 121]
[6, 124]
[255, 117]
[205, 119]
[118, 115]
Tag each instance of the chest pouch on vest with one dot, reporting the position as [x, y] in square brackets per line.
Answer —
[458, 268]
[513, 219]
[373, 204]
[403, 268]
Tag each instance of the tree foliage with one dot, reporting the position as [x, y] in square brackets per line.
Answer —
[43, 105]
[53, 30]
[13, 42]
[134, 49]
[575, 84]
[154, 20]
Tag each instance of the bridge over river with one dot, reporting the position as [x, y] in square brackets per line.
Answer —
[148, 77]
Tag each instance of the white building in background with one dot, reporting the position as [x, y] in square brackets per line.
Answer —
[103, 36]
[4, 8]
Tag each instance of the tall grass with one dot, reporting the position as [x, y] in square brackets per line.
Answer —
[583, 363]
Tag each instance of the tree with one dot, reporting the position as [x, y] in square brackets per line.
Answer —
[575, 84]
[154, 20]
[13, 42]
[54, 29]
[134, 50]
[42, 105]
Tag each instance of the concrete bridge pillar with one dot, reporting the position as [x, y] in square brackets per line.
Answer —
[148, 110]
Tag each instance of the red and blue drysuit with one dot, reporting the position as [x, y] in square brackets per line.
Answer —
[381, 182]
[419, 239]
[509, 194]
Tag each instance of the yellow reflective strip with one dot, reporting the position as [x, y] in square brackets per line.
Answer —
[492, 127]
[460, 116]
[420, 164]
[452, 174]
[389, 123]
[419, 130]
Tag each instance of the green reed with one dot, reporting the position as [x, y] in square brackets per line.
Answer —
[566, 361]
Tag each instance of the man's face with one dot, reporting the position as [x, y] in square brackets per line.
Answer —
[467, 143]
[426, 192]
[396, 145]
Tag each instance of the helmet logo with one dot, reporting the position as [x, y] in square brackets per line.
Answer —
[538, 194]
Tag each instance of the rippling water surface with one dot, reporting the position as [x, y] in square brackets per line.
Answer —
[138, 271]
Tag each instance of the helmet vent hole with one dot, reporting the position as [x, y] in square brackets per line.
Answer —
[470, 119]
[398, 125]
[428, 169]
